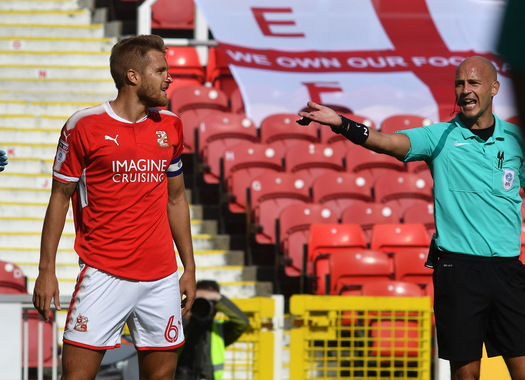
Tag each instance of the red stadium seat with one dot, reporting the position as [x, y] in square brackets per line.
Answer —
[216, 133]
[391, 288]
[339, 190]
[400, 122]
[350, 270]
[242, 163]
[312, 160]
[282, 129]
[236, 101]
[294, 231]
[184, 67]
[393, 238]
[370, 164]
[325, 240]
[192, 104]
[218, 72]
[421, 213]
[167, 14]
[401, 190]
[409, 266]
[270, 193]
[12, 279]
[368, 214]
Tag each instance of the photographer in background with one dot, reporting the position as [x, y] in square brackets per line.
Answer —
[202, 356]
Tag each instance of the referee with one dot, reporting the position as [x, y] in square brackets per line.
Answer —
[477, 163]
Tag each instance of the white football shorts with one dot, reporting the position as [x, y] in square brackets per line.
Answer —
[102, 304]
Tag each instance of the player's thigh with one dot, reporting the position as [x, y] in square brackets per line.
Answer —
[80, 362]
[516, 367]
[155, 364]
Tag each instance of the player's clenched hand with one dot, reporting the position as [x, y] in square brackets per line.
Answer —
[46, 289]
[321, 114]
[187, 291]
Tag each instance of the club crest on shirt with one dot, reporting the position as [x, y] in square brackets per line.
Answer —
[162, 138]
[508, 179]
[81, 324]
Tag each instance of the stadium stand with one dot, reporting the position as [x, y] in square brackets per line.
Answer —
[281, 129]
[325, 240]
[312, 160]
[12, 279]
[421, 213]
[293, 233]
[339, 190]
[401, 190]
[394, 238]
[167, 14]
[370, 164]
[185, 67]
[399, 122]
[269, 194]
[216, 133]
[350, 270]
[241, 164]
[218, 72]
[369, 214]
[192, 103]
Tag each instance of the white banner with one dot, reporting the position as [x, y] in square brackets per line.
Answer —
[375, 58]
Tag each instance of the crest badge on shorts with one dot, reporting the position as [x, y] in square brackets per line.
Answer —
[508, 179]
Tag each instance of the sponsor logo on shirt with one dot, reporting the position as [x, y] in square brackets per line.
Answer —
[143, 170]
[62, 151]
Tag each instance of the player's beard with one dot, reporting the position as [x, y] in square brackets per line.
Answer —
[152, 97]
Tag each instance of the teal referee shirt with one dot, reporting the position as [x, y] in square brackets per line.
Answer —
[476, 185]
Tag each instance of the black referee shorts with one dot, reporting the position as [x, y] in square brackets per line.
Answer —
[479, 299]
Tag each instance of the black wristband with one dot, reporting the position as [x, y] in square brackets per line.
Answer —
[355, 132]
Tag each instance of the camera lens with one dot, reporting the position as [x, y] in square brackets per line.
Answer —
[202, 308]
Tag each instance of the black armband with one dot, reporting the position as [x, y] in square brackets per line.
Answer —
[355, 132]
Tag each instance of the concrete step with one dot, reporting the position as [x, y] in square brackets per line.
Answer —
[36, 43]
[55, 57]
[39, 4]
[13, 180]
[42, 135]
[31, 165]
[78, 97]
[60, 17]
[30, 208]
[17, 149]
[20, 195]
[33, 85]
[69, 256]
[29, 29]
[32, 120]
[34, 224]
[42, 107]
[54, 72]
[32, 239]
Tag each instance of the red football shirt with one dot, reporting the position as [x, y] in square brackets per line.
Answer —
[120, 203]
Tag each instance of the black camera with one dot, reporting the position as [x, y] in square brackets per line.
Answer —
[203, 309]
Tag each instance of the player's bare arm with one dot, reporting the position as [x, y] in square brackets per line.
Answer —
[393, 144]
[46, 285]
[179, 217]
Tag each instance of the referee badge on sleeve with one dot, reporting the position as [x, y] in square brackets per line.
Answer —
[508, 179]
